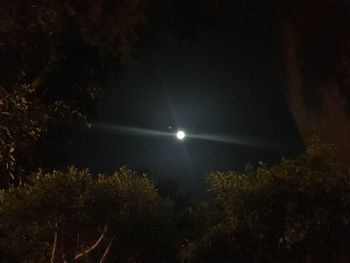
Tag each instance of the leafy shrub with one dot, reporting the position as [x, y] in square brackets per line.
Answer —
[76, 216]
[294, 211]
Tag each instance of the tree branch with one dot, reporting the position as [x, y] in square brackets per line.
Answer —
[104, 256]
[92, 247]
[54, 249]
[56, 253]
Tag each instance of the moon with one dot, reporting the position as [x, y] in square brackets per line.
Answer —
[180, 135]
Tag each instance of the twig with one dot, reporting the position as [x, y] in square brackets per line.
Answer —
[93, 247]
[104, 256]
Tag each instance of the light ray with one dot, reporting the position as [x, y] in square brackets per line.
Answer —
[131, 130]
[230, 139]
[238, 140]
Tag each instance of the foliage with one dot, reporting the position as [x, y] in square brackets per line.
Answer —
[23, 122]
[76, 216]
[296, 210]
[68, 52]
[28, 124]
[39, 35]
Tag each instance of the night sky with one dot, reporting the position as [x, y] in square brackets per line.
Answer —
[224, 84]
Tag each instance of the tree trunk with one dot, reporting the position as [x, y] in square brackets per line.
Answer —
[314, 41]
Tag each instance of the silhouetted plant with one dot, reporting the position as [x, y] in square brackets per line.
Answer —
[294, 211]
[72, 216]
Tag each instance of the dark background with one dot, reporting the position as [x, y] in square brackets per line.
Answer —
[224, 83]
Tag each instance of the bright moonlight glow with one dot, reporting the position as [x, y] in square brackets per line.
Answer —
[180, 135]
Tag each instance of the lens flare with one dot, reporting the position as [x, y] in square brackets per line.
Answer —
[180, 135]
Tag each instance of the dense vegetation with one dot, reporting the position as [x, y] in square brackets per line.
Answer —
[75, 216]
[56, 57]
[295, 211]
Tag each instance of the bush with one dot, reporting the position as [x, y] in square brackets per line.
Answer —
[294, 211]
[76, 216]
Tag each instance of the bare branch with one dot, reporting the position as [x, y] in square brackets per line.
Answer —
[105, 254]
[54, 249]
[92, 247]
[56, 254]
